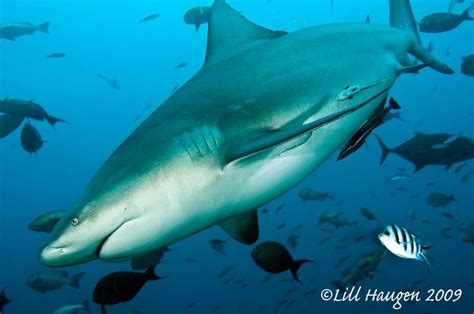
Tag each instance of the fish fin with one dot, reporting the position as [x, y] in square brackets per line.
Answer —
[243, 228]
[423, 256]
[414, 68]
[74, 281]
[338, 284]
[44, 27]
[53, 120]
[367, 19]
[418, 167]
[102, 309]
[196, 27]
[394, 104]
[150, 274]
[385, 149]
[401, 16]
[467, 15]
[271, 139]
[296, 265]
[447, 167]
[86, 307]
[229, 31]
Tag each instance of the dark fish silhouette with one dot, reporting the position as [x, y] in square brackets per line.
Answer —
[11, 31]
[309, 194]
[4, 300]
[150, 18]
[27, 108]
[31, 140]
[274, 258]
[52, 279]
[111, 81]
[367, 213]
[444, 22]
[437, 199]
[46, 222]
[56, 55]
[358, 139]
[181, 65]
[467, 65]
[423, 150]
[121, 286]
[218, 245]
[9, 123]
[197, 16]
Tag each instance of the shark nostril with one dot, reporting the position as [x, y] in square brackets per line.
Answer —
[61, 250]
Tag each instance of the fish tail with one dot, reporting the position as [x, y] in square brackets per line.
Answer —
[338, 284]
[422, 254]
[53, 120]
[43, 27]
[102, 309]
[468, 14]
[150, 274]
[296, 266]
[74, 281]
[85, 306]
[385, 149]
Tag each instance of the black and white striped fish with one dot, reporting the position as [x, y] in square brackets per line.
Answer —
[404, 244]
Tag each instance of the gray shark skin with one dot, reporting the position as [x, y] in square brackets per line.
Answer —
[259, 117]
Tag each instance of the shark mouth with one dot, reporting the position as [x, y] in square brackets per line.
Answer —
[102, 243]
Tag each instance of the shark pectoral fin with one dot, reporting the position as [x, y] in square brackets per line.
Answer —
[243, 228]
[229, 32]
[272, 139]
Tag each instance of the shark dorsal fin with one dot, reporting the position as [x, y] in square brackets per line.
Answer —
[229, 32]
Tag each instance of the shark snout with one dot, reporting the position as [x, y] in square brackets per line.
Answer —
[58, 256]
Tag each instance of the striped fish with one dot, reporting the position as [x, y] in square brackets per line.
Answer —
[404, 244]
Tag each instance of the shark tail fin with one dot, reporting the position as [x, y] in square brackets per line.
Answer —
[468, 14]
[401, 16]
[44, 27]
[385, 149]
[296, 265]
[74, 281]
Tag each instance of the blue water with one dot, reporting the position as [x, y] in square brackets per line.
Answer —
[104, 37]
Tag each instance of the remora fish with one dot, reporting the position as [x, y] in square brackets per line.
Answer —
[11, 31]
[238, 159]
[359, 137]
[402, 243]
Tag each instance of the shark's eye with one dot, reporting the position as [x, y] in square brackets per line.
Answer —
[354, 89]
[74, 221]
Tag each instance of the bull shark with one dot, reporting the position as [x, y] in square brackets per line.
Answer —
[258, 117]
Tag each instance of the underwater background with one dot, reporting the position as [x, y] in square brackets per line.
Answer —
[104, 37]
